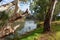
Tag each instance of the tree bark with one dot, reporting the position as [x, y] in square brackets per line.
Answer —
[16, 6]
[49, 16]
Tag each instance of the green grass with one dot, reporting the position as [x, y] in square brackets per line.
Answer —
[56, 29]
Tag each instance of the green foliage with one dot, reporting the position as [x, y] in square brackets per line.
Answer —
[57, 11]
[58, 18]
[40, 8]
[3, 16]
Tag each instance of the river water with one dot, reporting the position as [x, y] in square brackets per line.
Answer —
[28, 26]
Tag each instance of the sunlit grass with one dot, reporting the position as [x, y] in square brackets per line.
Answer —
[58, 35]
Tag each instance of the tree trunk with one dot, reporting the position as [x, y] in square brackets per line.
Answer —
[49, 16]
[16, 6]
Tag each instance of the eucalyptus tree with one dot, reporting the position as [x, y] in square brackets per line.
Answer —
[45, 8]
[49, 16]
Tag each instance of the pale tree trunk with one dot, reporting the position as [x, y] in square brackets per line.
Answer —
[16, 6]
[49, 16]
[16, 11]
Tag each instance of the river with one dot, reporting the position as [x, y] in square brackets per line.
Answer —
[28, 26]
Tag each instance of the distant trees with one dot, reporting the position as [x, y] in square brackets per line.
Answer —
[44, 9]
[39, 8]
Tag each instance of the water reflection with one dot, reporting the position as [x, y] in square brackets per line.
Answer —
[29, 26]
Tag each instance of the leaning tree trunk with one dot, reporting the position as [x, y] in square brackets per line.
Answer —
[16, 11]
[16, 6]
[49, 16]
